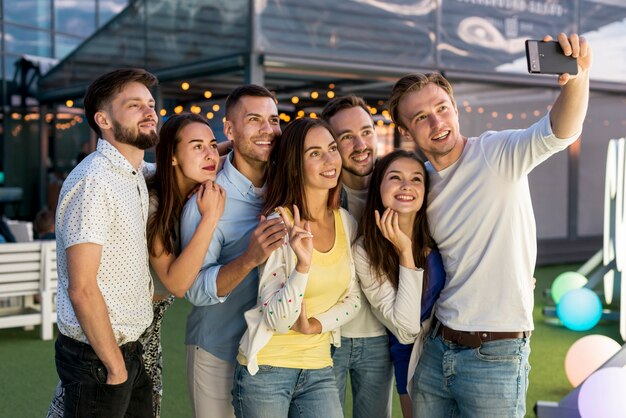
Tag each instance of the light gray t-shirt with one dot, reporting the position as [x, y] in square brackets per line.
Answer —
[481, 217]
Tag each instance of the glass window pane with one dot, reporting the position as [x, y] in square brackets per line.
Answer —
[28, 12]
[109, 8]
[63, 45]
[76, 18]
[9, 66]
[27, 41]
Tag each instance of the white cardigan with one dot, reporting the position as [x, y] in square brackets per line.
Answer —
[399, 310]
[281, 291]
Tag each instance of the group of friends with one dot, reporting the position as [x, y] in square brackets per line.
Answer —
[306, 258]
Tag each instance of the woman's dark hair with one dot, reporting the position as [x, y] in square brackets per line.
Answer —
[285, 175]
[384, 261]
[163, 185]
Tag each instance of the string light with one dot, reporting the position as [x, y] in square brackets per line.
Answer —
[330, 94]
[162, 112]
[178, 109]
[195, 109]
[216, 107]
[210, 115]
[185, 86]
[69, 103]
[314, 95]
[208, 94]
[295, 99]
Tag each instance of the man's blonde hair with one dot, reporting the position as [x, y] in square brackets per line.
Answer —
[415, 82]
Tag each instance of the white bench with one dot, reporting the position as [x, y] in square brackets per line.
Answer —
[26, 270]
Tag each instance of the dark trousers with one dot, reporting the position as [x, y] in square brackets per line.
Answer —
[84, 376]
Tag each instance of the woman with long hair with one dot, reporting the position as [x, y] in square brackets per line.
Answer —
[397, 261]
[307, 288]
[187, 159]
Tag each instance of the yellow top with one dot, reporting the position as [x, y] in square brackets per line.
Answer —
[329, 277]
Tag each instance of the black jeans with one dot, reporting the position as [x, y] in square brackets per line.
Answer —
[84, 376]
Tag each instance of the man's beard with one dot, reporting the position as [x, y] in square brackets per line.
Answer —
[355, 171]
[138, 140]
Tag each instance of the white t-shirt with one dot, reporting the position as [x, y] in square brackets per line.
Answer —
[104, 201]
[364, 324]
[356, 201]
[481, 216]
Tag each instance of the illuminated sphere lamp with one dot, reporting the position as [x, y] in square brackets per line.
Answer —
[602, 394]
[565, 282]
[586, 355]
[579, 309]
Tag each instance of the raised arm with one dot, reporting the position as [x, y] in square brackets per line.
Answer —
[178, 273]
[266, 238]
[569, 109]
[346, 307]
[399, 310]
[282, 282]
[83, 261]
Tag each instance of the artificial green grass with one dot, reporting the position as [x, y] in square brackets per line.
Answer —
[28, 375]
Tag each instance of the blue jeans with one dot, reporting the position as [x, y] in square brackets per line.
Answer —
[371, 375]
[456, 381]
[83, 377]
[283, 392]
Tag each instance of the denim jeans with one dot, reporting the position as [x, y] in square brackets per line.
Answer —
[283, 392]
[83, 377]
[457, 381]
[371, 375]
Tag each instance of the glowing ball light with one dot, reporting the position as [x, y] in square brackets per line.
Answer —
[602, 394]
[565, 282]
[586, 355]
[579, 309]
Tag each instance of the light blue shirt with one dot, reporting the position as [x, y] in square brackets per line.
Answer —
[217, 323]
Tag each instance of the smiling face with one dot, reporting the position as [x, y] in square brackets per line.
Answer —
[356, 139]
[131, 116]
[253, 126]
[322, 162]
[431, 120]
[195, 158]
[402, 188]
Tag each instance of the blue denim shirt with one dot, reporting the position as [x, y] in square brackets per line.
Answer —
[217, 323]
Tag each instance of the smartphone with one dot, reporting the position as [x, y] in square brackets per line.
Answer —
[547, 58]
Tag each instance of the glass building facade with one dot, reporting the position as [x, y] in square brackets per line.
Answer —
[37, 34]
[308, 52]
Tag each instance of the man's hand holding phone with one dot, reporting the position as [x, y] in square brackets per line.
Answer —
[567, 57]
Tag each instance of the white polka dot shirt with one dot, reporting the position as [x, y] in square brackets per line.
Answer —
[104, 201]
